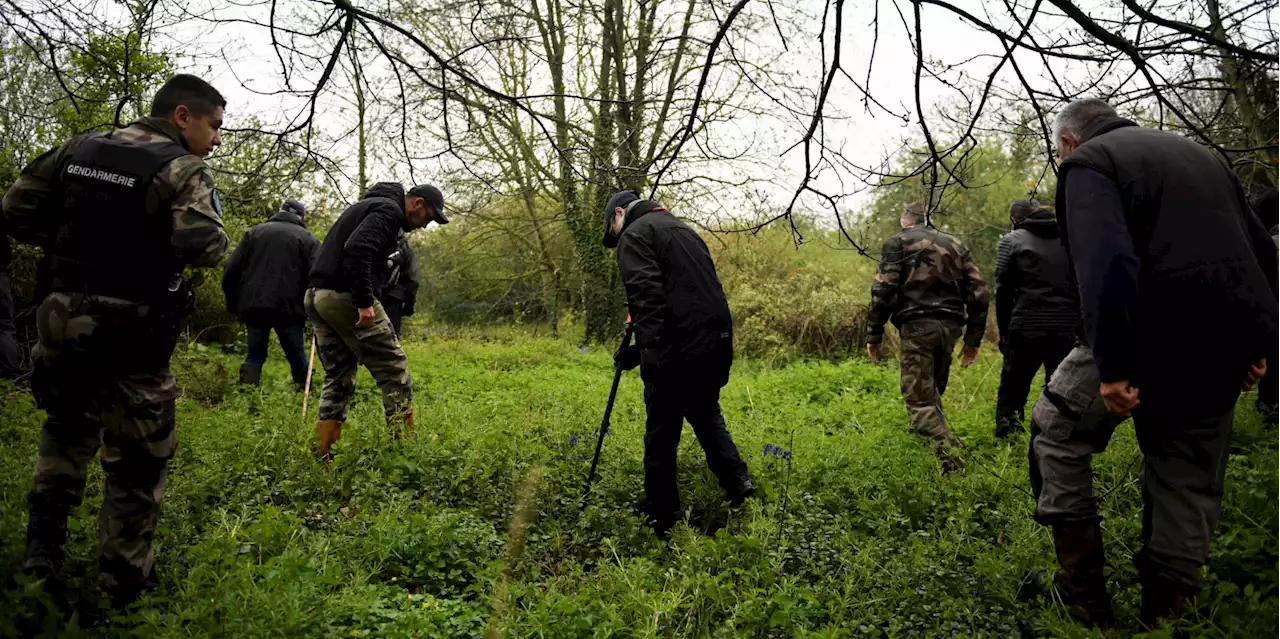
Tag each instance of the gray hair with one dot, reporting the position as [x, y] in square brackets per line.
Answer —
[1080, 116]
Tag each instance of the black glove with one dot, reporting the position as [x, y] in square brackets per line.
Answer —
[627, 358]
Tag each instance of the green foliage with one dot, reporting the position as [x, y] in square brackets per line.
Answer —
[789, 301]
[860, 536]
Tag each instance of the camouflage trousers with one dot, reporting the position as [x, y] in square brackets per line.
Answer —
[102, 376]
[343, 347]
[1183, 467]
[926, 352]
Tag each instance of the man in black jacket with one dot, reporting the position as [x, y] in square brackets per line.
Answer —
[1037, 308]
[10, 360]
[351, 326]
[400, 292]
[264, 283]
[1163, 247]
[684, 348]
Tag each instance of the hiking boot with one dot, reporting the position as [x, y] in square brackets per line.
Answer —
[46, 534]
[1162, 599]
[1007, 425]
[744, 490]
[328, 431]
[1080, 583]
[250, 374]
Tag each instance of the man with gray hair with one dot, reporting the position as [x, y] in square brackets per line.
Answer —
[1161, 243]
[928, 285]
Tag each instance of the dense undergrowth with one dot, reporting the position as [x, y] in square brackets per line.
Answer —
[860, 536]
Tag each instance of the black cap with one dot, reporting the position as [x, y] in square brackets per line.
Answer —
[619, 200]
[433, 198]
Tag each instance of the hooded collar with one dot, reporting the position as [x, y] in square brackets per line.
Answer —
[391, 190]
[288, 217]
[1042, 222]
[1105, 126]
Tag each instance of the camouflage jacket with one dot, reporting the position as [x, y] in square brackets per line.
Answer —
[927, 274]
[32, 208]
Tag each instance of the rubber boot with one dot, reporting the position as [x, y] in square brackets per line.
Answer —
[1081, 583]
[401, 424]
[1162, 599]
[250, 374]
[1007, 425]
[328, 431]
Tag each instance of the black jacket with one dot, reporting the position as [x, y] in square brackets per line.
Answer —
[1177, 279]
[6, 253]
[678, 307]
[353, 258]
[1034, 291]
[401, 287]
[266, 277]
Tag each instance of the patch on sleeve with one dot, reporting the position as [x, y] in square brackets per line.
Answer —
[217, 203]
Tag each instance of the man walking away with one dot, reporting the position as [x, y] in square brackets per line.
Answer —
[684, 348]
[10, 360]
[350, 324]
[1037, 308]
[265, 282]
[400, 293]
[118, 216]
[930, 288]
[1161, 239]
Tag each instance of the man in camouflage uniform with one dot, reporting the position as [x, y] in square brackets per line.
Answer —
[929, 287]
[118, 215]
[350, 324]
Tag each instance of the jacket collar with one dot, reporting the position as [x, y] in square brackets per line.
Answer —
[637, 210]
[288, 217]
[1105, 126]
[163, 127]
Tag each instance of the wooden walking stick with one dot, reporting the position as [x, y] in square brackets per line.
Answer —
[306, 386]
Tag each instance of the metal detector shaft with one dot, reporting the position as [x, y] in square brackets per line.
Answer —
[604, 423]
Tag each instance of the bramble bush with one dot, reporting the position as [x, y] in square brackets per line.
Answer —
[860, 536]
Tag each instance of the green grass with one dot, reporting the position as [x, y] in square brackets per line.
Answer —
[861, 536]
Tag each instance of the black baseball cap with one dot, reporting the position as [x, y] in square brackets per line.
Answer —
[619, 200]
[434, 199]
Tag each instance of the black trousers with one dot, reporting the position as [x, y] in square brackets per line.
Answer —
[669, 401]
[10, 359]
[394, 309]
[1024, 354]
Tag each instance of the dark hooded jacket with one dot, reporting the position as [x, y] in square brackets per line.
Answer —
[353, 258]
[266, 278]
[1034, 291]
[1177, 279]
[678, 307]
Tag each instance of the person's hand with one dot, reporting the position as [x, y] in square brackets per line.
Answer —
[627, 358]
[968, 355]
[1256, 373]
[366, 318]
[1120, 397]
[875, 351]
